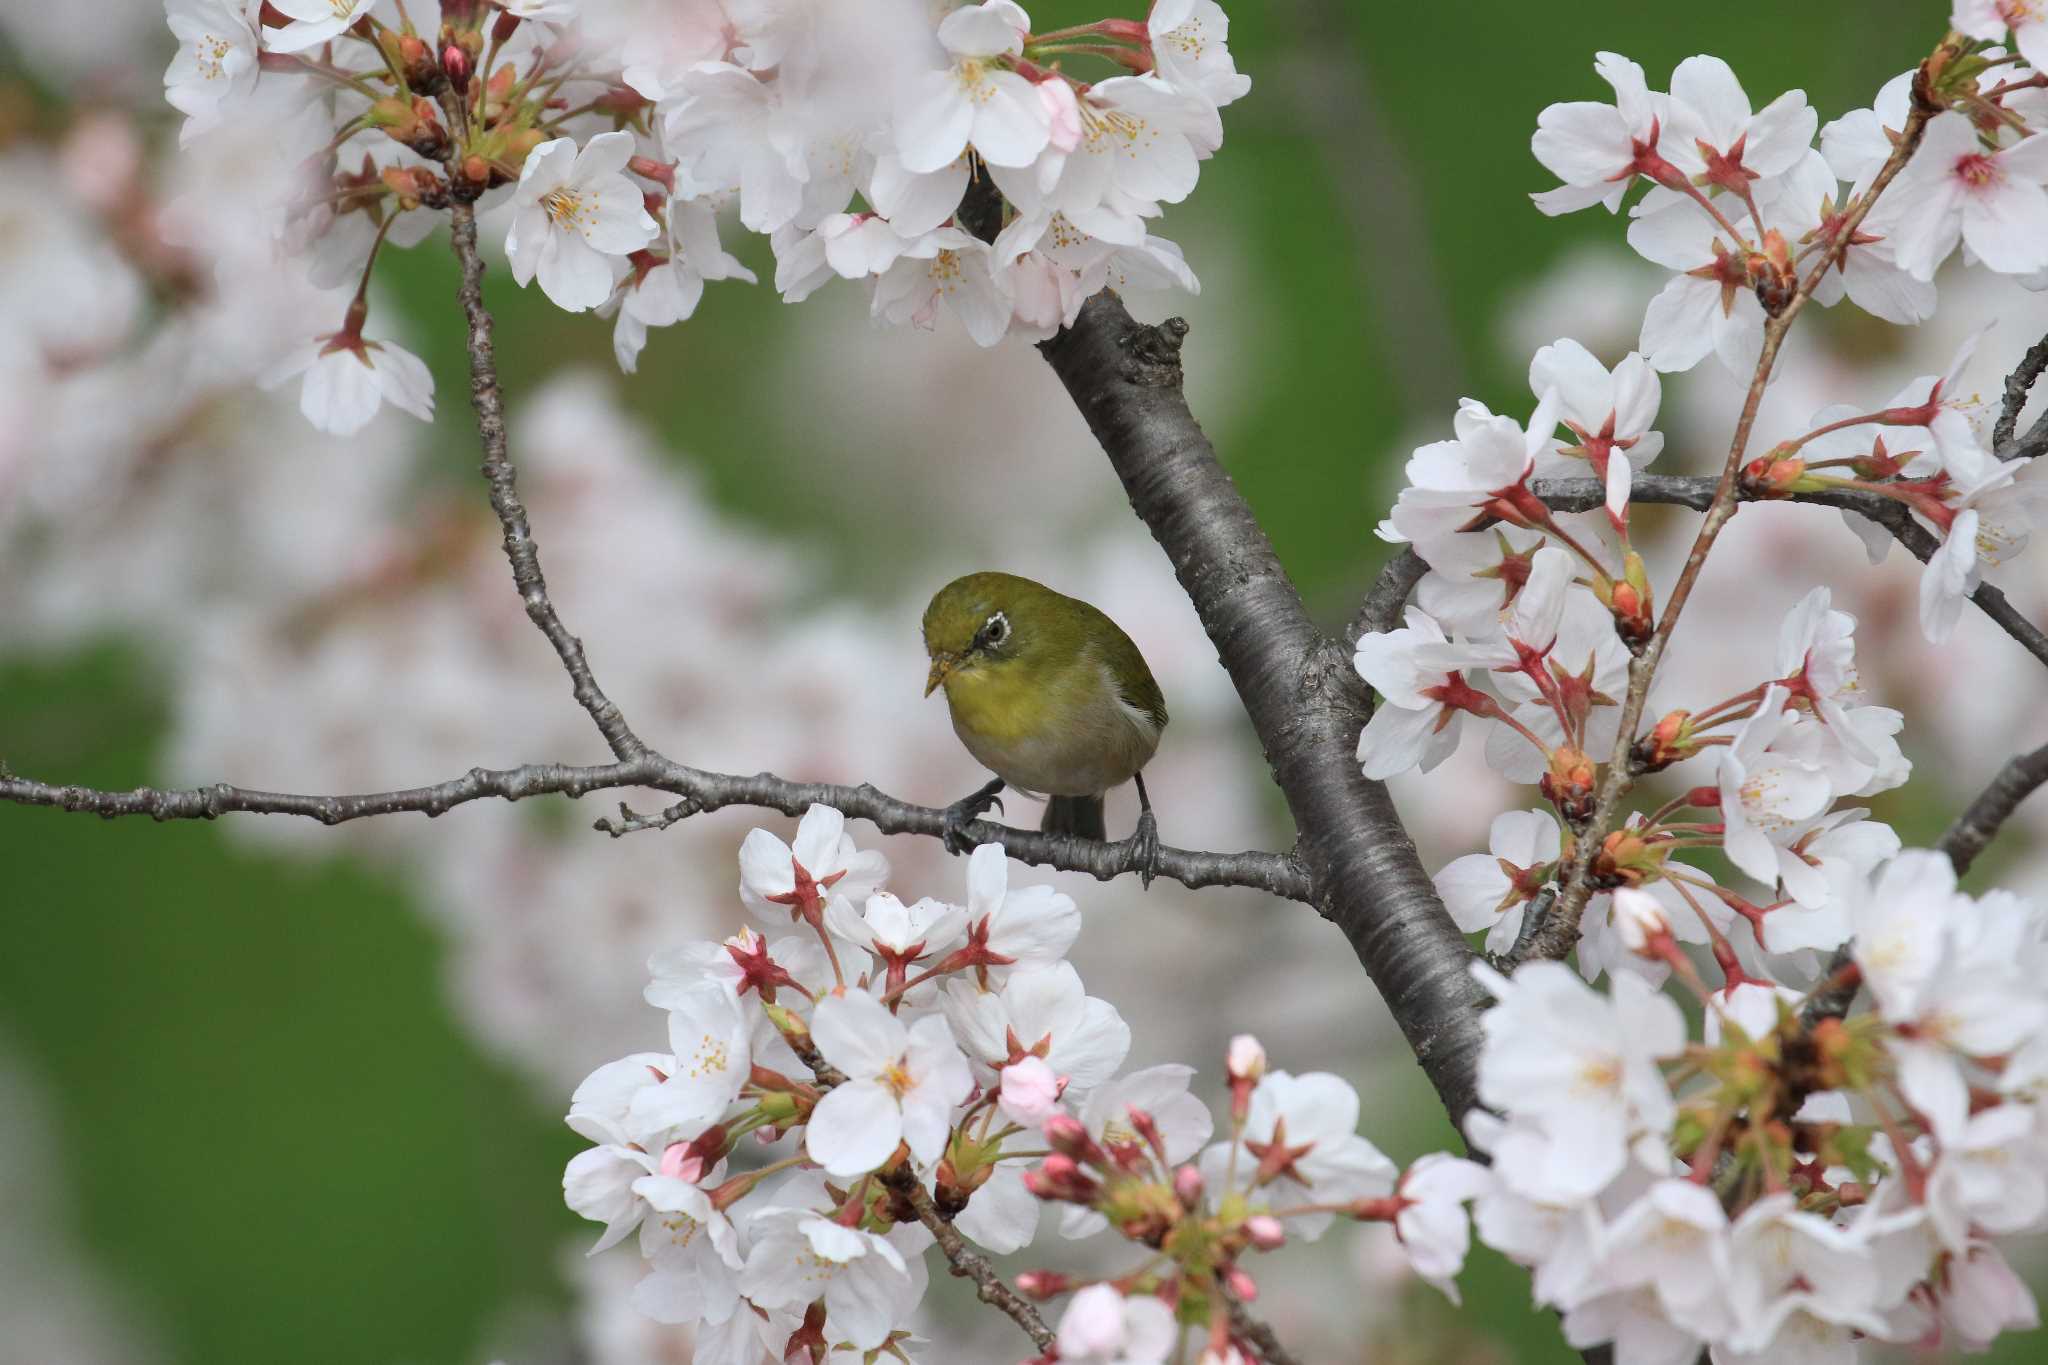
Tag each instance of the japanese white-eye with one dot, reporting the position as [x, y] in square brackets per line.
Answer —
[1051, 696]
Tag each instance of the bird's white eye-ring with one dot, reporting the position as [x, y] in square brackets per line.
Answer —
[995, 630]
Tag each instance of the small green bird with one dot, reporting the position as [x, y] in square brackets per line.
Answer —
[1051, 696]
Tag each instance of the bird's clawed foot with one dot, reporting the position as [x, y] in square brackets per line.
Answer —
[1141, 850]
[965, 812]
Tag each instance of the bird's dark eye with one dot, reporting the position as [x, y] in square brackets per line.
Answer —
[994, 631]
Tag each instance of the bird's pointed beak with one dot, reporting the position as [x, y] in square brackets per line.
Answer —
[942, 668]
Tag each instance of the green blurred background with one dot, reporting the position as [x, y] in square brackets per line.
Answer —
[269, 1130]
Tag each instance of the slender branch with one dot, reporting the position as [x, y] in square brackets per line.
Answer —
[1980, 821]
[1578, 495]
[1560, 934]
[1975, 828]
[1248, 1328]
[699, 790]
[2017, 386]
[489, 401]
[988, 1286]
[1305, 701]
[1381, 609]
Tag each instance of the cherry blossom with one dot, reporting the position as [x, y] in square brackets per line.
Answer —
[1491, 890]
[901, 1085]
[215, 64]
[782, 882]
[1417, 672]
[1990, 19]
[1770, 779]
[974, 100]
[1608, 412]
[1042, 1012]
[1579, 1066]
[1990, 198]
[1434, 1228]
[798, 1257]
[1189, 53]
[313, 22]
[347, 378]
[1103, 1327]
[711, 1035]
[1301, 1147]
[575, 216]
[1598, 149]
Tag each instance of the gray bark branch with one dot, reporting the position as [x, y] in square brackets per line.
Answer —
[1306, 702]
[700, 790]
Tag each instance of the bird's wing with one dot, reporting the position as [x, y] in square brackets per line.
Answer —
[1136, 690]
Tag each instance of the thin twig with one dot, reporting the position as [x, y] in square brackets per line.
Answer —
[1274, 873]
[1980, 821]
[1561, 933]
[1248, 1328]
[1577, 495]
[489, 400]
[2017, 386]
[989, 1287]
[966, 1261]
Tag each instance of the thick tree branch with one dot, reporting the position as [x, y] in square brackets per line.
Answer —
[699, 790]
[489, 401]
[1306, 702]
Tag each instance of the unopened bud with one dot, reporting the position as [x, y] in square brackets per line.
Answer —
[1242, 1286]
[1246, 1059]
[1066, 1135]
[1043, 1284]
[1568, 783]
[455, 63]
[1187, 1187]
[1147, 1128]
[1640, 921]
[1057, 1179]
[1705, 798]
[1777, 473]
[1669, 741]
[1266, 1231]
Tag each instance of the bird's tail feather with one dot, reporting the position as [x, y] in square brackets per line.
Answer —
[1082, 815]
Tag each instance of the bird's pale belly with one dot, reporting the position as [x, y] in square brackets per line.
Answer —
[1098, 747]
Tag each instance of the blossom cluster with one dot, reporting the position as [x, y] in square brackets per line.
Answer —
[956, 164]
[1741, 201]
[1781, 1189]
[901, 1065]
[1788, 1184]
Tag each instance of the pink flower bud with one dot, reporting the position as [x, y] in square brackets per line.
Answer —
[1265, 1230]
[1030, 1092]
[1065, 1134]
[455, 63]
[1062, 112]
[1058, 1179]
[1246, 1059]
[1242, 1287]
[1187, 1187]
[1043, 1284]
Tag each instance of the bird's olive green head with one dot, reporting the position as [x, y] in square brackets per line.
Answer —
[991, 621]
